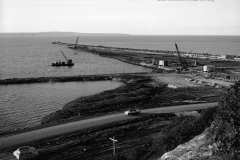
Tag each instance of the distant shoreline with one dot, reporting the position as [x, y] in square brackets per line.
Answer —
[59, 33]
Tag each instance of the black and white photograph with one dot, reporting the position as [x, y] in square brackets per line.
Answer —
[120, 80]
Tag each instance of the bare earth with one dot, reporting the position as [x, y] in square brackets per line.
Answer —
[180, 80]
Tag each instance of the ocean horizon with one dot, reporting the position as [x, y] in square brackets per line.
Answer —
[30, 56]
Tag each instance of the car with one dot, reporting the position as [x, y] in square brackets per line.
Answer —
[133, 111]
[26, 152]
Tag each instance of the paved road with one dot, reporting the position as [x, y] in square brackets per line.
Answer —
[20, 139]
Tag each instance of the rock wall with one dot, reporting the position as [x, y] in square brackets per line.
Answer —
[198, 147]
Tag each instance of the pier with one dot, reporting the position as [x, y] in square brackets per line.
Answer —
[120, 77]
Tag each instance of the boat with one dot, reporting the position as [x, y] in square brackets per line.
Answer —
[62, 63]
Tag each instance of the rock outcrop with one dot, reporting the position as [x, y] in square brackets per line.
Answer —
[200, 146]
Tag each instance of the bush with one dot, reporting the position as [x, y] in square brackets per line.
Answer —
[131, 154]
[107, 101]
[180, 131]
[226, 126]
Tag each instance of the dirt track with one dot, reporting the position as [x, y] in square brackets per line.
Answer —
[179, 80]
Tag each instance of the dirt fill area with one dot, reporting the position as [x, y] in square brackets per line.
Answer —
[186, 80]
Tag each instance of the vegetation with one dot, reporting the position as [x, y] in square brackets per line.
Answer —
[136, 92]
[128, 95]
[225, 131]
[226, 126]
[181, 130]
[140, 92]
[128, 132]
[206, 93]
[142, 138]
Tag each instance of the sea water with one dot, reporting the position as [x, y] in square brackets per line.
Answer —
[23, 105]
[30, 56]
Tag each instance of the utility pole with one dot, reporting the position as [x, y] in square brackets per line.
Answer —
[114, 140]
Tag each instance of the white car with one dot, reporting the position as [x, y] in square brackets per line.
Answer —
[25, 152]
[132, 111]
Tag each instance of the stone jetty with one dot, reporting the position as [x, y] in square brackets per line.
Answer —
[66, 78]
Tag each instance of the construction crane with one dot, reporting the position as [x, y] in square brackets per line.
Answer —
[183, 62]
[68, 60]
[77, 40]
[75, 46]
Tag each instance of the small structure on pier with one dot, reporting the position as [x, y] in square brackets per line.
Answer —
[160, 62]
[208, 68]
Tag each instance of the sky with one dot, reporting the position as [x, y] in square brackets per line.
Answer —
[137, 17]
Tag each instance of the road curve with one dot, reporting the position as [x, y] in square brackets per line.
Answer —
[20, 139]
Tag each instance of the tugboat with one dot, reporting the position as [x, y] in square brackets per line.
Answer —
[60, 63]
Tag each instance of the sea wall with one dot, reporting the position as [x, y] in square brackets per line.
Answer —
[80, 46]
[120, 77]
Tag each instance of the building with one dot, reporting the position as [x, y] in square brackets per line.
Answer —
[223, 57]
[160, 62]
[208, 68]
[237, 58]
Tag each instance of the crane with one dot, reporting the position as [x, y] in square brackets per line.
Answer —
[184, 63]
[75, 45]
[59, 63]
[68, 60]
[77, 40]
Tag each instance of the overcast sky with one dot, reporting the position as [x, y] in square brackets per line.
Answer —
[145, 17]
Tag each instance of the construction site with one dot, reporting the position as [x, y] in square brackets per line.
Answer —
[173, 80]
[200, 68]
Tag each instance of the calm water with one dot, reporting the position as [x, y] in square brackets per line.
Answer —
[24, 105]
[30, 56]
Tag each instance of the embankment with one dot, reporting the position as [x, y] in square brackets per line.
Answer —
[136, 91]
[125, 49]
[136, 57]
[120, 77]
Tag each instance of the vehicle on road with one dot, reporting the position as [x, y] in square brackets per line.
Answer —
[133, 111]
[25, 152]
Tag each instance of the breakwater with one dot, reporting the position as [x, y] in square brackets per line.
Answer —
[169, 52]
[120, 77]
[109, 52]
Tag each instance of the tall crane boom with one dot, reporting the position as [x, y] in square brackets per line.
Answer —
[179, 56]
[183, 62]
[77, 40]
[64, 55]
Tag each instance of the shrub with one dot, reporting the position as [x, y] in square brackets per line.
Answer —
[180, 131]
[225, 128]
[107, 101]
